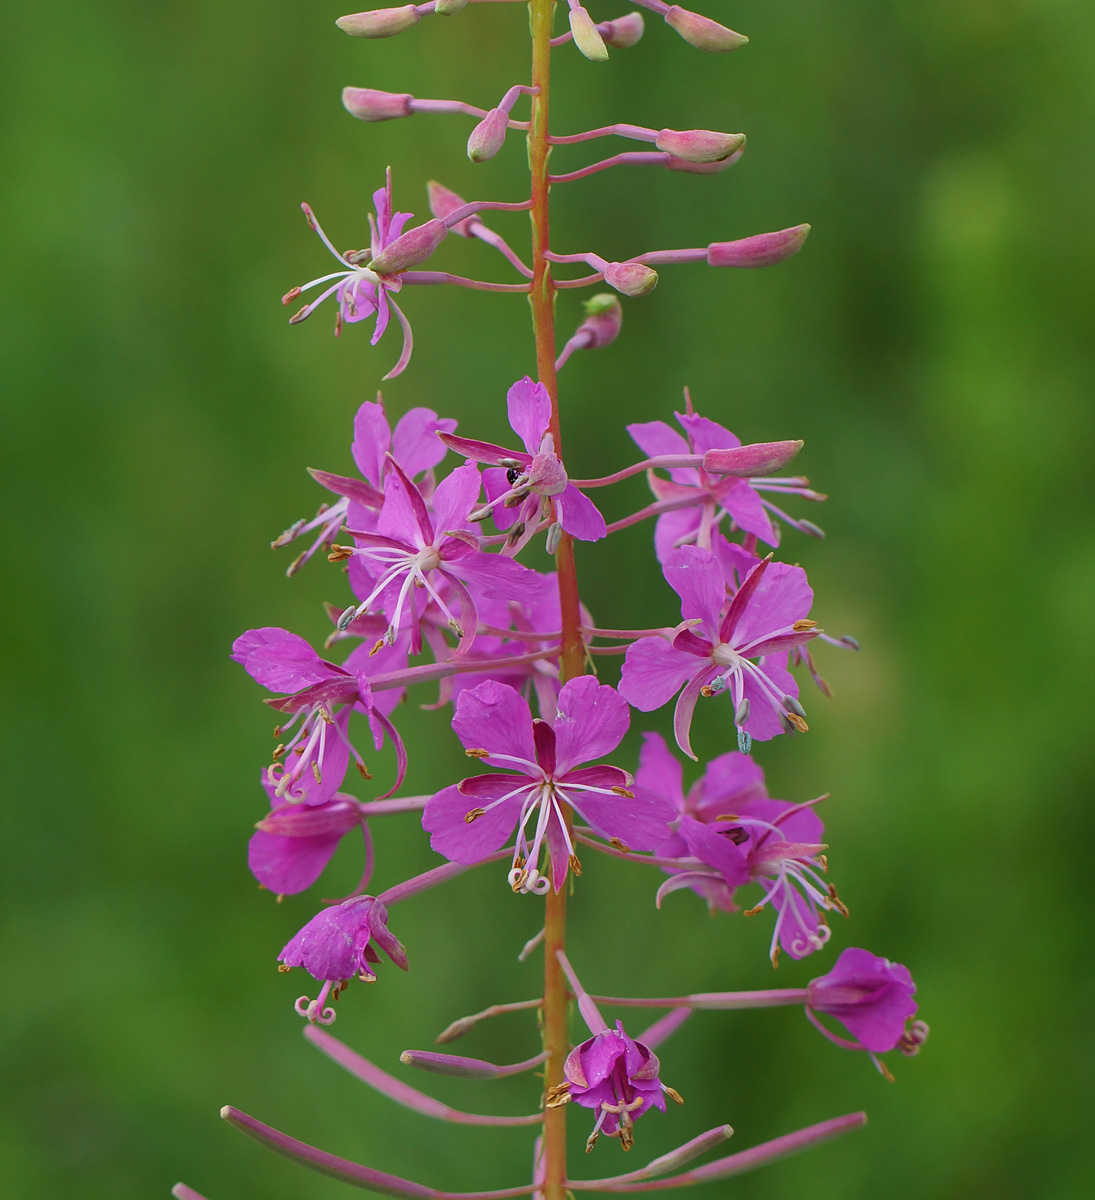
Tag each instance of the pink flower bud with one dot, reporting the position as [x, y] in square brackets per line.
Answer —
[449, 8]
[380, 22]
[758, 458]
[632, 279]
[586, 37]
[604, 316]
[411, 248]
[444, 201]
[624, 31]
[488, 136]
[711, 168]
[702, 32]
[367, 104]
[699, 145]
[761, 250]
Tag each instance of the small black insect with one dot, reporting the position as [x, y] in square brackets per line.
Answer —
[512, 475]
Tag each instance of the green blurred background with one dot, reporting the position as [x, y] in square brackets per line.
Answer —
[932, 345]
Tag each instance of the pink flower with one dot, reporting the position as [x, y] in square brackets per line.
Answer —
[872, 998]
[338, 944]
[360, 292]
[712, 651]
[697, 502]
[530, 487]
[476, 817]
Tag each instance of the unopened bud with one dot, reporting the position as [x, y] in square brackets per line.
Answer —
[623, 31]
[367, 104]
[443, 201]
[449, 8]
[380, 23]
[632, 279]
[488, 137]
[410, 248]
[702, 32]
[761, 250]
[699, 145]
[757, 458]
[713, 168]
[604, 316]
[586, 37]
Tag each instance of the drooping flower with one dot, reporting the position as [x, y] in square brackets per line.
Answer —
[413, 444]
[476, 817]
[530, 487]
[309, 768]
[698, 502]
[336, 945]
[359, 292]
[872, 998]
[615, 1076]
[412, 550]
[711, 651]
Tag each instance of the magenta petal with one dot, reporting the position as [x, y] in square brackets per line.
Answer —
[480, 790]
[676, 528]
[591, 721]
[655, 438]
[445, 817]
[484, 452]
[497, 577]
[706, 843]
[415, 444]
[455, 497]
[696, 576]
[705, 434]
[287, 865]
[403, 517]
[749, 513]
[870, 996]
[279, 660]
[686, 706]
[602, 776]
[492, 716]
[731, 781]
[529, 408]
[581, 517]
[641, 822]
[660, 771]
[782, 597]
[372, 440]
[653, 672]
[495, 484]
[764, 722]
[804, 826]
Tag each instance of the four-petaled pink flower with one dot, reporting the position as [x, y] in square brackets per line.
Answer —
[711, 652]
[531, 487]
[412, 550]
[873, 999]
[359, 292]
[694, 502]
[476, 817]
[615, 1076]
[336, 945]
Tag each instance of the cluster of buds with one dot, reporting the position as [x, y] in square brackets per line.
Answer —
[429, 552]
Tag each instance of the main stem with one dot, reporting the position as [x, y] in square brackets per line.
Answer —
[571, 652]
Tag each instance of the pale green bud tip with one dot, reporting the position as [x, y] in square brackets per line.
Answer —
[602, 303]
[449, 8]
[631, 279]
[586, 37]
[367, 104]
[380, 22]
[702, 32]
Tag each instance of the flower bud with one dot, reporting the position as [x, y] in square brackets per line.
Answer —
[761, 250]
[624, 31]
[449, 8]
[444, 201]
[411, 248]
[367, 104]
[488, 136]
[699, 145]
[380, 22]
[757, 458]
[711, 168]
[702, 32]
[586, 37]
[604, 316]
[632, 279]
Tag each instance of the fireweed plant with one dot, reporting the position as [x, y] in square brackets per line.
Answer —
[433, 569]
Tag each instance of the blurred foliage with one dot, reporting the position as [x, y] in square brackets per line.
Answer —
[932, 345]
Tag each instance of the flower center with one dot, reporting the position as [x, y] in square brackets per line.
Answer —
[725, 656]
